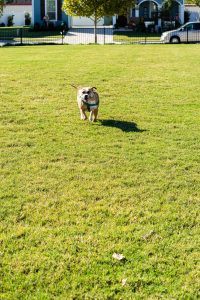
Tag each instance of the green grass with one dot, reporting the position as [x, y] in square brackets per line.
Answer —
[13, 27]
[135, 37]
[74, 192]
[14, 33]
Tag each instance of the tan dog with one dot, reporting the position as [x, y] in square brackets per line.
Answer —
[88, 100]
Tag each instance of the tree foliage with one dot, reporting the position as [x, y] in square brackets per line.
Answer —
[197, 2]
[2, 3]
[168, 4]
[96, 8]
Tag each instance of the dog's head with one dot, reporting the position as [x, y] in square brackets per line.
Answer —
[87, 93]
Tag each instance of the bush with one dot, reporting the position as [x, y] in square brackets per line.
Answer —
[2, 25]
[51, 26]
[121, 21]
[141, 27]
[37, 27]
[10, 20]
[27, 19]
[62, 26]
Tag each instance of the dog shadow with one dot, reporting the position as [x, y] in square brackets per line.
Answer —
[123, 125]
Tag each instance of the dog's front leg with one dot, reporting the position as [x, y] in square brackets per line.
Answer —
[93, 115]
[83, 114]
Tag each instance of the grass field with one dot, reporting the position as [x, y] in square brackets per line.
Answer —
[73, 192]
[135, 37]
[15, 34]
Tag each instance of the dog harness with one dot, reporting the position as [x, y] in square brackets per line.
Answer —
[92, 105]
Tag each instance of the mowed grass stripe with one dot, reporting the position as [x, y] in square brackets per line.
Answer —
[74, 192]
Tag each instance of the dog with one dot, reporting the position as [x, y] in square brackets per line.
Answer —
[88, 100]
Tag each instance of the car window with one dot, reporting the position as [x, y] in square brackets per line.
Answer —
[188, 27]
[196, 26]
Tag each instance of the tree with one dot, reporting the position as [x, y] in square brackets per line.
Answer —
[96, 9]
[197, 2]
[2, 3]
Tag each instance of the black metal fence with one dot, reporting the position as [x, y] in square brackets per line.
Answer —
[104, 35]
[183, 35]
[132, 37]
[108, 35]
[27, 36]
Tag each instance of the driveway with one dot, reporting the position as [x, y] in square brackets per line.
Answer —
[86, 36]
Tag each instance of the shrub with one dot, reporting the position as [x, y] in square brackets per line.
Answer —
[37, 26]
[10, 20]
[51, 26]
[27, 19]
[62, 26]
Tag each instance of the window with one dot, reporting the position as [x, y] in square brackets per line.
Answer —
[188, 27]
[51, 9]
[146, 12]
[196, 26]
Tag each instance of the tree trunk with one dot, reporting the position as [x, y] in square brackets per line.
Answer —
[95, 30]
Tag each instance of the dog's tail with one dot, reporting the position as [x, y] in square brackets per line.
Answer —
[74, 86]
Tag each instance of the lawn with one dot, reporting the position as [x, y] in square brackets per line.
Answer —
[15, 34]
[128, 37]
[73, 192]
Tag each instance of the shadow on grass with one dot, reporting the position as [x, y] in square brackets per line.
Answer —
[123, 125]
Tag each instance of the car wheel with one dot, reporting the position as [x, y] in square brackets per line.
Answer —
[175, 40]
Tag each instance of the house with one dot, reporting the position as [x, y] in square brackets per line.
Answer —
[153, 9]
[153, 12]
[52, 8]
[149, 11]
[194, 12]
[17, 8]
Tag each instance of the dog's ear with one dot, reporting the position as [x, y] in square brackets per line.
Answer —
[94, 89]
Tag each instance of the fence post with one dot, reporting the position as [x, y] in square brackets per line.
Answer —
[187, 35]
[21, 36]
[62, 36]
[104, 35]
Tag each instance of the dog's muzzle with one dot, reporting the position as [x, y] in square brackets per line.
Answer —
[84, 97]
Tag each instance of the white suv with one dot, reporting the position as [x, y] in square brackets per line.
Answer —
[188, 33]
